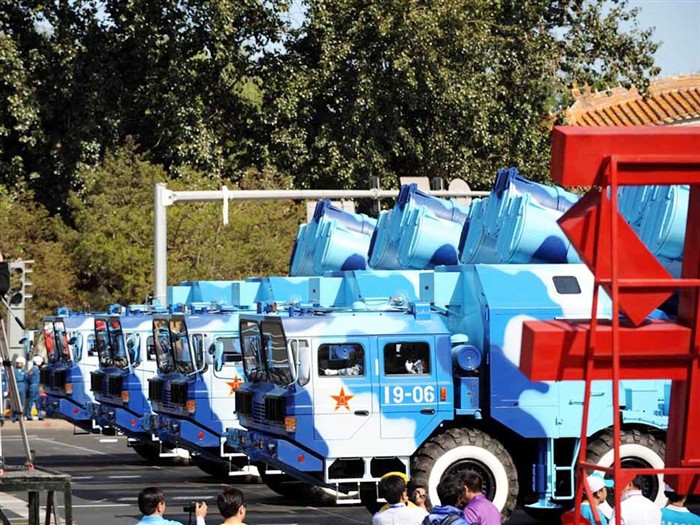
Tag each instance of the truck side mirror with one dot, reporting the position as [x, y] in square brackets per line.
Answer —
[77, 345]
[219, 356]
[304, 371]
[133, 345]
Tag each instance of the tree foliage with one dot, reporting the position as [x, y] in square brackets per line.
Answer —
[113, 243]
[103, 98]
[452, 88]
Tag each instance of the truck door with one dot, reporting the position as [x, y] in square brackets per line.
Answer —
[225, 377]
[408, 394]
[342, 388]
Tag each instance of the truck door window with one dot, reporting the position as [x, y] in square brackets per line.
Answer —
[275, 347]
[90, 345]
[232, 352]
[407, 358]
[346, 359]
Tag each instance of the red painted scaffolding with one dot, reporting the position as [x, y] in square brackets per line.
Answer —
[629, 347]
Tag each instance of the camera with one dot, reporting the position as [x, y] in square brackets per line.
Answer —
[191, 506]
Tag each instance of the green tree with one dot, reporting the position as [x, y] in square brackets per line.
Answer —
[113, 244]
[452, 88]
[82, 76]
[30, 233]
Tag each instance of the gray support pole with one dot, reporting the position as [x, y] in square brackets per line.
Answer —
[160, 242]
[163, 198]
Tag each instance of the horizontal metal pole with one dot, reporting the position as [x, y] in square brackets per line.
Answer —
[171, 197]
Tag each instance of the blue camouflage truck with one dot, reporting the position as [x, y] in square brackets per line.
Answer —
[422, 376]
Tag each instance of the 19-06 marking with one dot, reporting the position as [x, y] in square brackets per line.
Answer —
[417, 394]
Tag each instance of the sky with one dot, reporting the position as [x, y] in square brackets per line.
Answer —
[677, 24]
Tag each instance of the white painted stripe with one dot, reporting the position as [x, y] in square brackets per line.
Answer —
[81, 477]
[95, 505]
[125, 476]
[49, 440]
[130, 498]
[190, 498]
[16, 505]
[109, 440]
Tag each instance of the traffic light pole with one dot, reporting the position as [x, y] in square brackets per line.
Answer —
[15, 398]
[17, 299]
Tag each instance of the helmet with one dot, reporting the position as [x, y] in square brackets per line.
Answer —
[20, 359]
[38, 360]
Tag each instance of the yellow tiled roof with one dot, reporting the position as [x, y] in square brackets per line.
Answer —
[671, 100]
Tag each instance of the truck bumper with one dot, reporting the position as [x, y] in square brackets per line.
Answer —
[277, 452]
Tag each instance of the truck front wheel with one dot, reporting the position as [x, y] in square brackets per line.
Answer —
[638, 449]
[459, 450]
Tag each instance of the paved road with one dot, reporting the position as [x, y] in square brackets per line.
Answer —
[107, 476]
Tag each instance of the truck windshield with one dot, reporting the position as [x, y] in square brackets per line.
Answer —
[182, 353]
[173, 352]
[278, 362]
[56, 340]
[251, 349]
[111, 347]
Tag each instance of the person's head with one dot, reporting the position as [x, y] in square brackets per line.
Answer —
[473, 484]
[19, 362]
[417, 493]
[393, 488]
[450, 490]
[598, 489]
[674, 498]
[231, 502]
[634, 484]
[152, 501]
[38, 360]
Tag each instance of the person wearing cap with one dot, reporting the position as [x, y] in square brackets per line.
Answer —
[33, 381]
[393, 488]
[635, 508]
[21, 378]
[675, 512]
[599, 492]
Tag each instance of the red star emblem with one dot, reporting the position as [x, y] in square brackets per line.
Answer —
[342, 399]
[235, 384]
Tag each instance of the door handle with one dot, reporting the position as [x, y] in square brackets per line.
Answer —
[362, 412]
[427, 411]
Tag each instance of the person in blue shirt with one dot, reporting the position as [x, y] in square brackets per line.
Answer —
[451, 492]
[152, 506]
[21, 377]
[33, 382]
[599, 492]
[675, 512]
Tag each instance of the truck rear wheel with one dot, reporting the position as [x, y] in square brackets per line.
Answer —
[459, 450]
[638, 449]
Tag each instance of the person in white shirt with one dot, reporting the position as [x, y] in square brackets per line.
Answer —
[635, 508]
[393, 489]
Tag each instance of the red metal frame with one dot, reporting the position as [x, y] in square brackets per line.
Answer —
[621, 264]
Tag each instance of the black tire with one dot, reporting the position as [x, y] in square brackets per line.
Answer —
[215, 469]
[368, 498]
[638, 449]
[285, 485]
[148, 451]
[462, 450]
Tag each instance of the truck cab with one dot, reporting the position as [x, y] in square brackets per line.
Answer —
[199, 369]
[70, 359]
[431, 386]
[127, 360]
